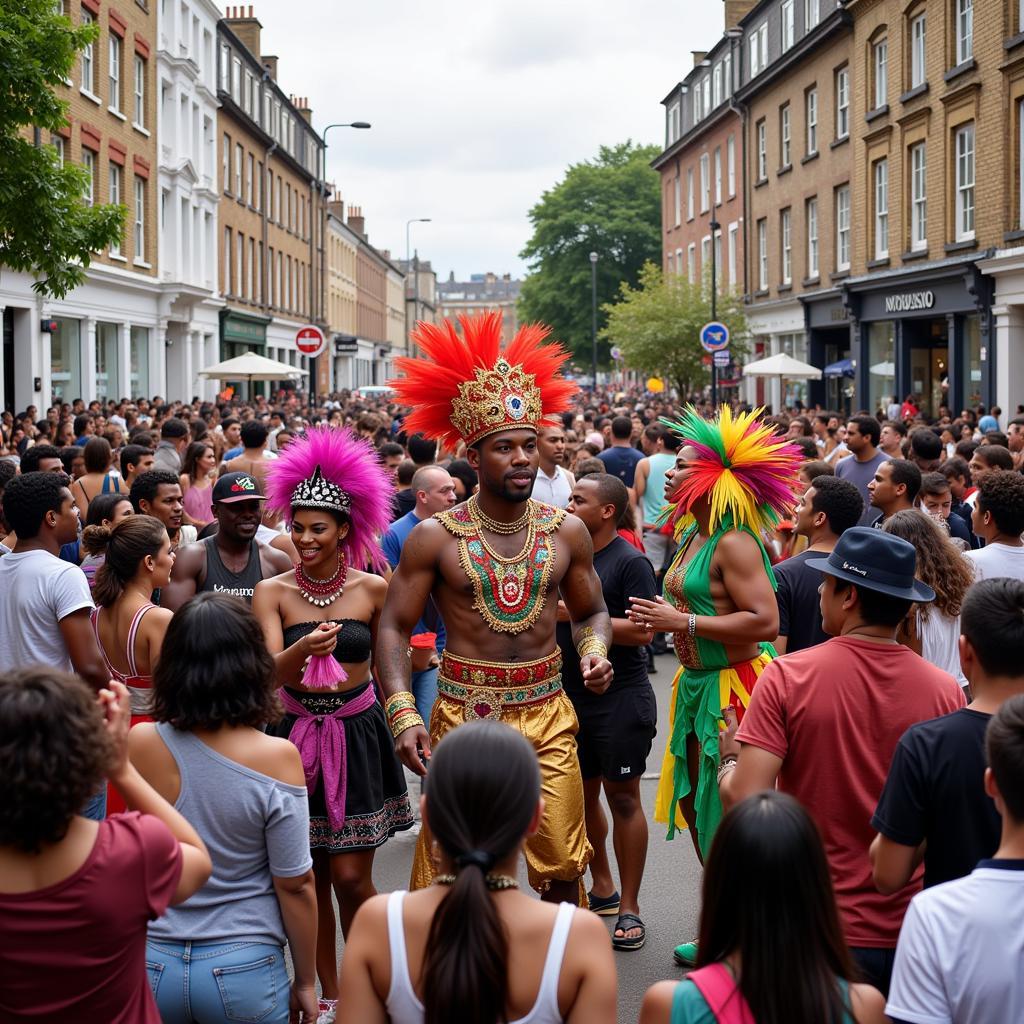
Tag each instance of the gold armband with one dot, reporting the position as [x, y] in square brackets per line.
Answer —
[589, 642]
[400, 711]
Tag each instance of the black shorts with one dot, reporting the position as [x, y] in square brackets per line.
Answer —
[616, 731]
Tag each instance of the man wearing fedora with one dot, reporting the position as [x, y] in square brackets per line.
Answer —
[824, 722]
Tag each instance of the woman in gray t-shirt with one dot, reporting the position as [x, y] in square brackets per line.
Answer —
[219, 956]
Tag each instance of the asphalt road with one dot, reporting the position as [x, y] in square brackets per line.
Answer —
[669, 897]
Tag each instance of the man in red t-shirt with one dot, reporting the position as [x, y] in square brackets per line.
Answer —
[823, 723]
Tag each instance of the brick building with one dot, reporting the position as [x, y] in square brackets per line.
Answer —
[271, 206]
[109, 337]
[482, 293]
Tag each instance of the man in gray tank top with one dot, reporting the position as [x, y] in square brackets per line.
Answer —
[231, 561]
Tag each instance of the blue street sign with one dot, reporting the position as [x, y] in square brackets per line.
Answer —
[714, 337]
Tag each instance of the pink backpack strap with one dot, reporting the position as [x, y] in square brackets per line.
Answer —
[722, 994]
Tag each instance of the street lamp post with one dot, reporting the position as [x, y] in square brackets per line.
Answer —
[314, 363]
[715, 226]
[416, 277]
[593, 314]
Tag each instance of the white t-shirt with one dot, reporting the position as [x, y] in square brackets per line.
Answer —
[552, 490]
[37, 590]
[994, 560]
[960, 958]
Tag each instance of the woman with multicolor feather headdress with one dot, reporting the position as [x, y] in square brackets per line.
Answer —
[320, 622]
[733, 480]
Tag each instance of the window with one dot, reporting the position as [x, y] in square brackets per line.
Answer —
[730, 160]
[679, 261]
[58, 146]
[762, 255]
[259, 185]
[785, 156]
[140, 219]
[270, 277]
[842, 103]
[236, 79]
[788, 24]
[811, 14]
[250, 170]
[881, 66]
[705, 257]
[716, 85]
[918, 198]
[843, 228]
[727, 74]
[89, 163]
[758, 49]
[733, 238]
[225, 170]
[114, 177]
[239, 163]
[812, 121]
[239, 264]
[689, 193]
[786, 240]
[964, 30]
[691, 263]
[718, 176]
[965, 183]
[139, 111]
[88, 57]
[705, 183]
[881, 209]
[250, 271]
[677, 192]
[672, 124]
[917, 66]
[114, 71]
[762, 150]
[226, 284]
[224, 68]
[812, 238]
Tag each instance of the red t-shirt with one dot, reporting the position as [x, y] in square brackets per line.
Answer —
[76, 951]
[834, 713]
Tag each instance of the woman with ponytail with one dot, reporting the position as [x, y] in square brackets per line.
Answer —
[472, 948]
[104, 510]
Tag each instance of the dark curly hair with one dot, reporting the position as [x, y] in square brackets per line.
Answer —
[27, 499]
[1001, 494]
[214, 668]
[54, 753]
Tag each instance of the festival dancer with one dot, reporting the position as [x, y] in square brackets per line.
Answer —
[495, 566]
[732, 480]
[324, 612]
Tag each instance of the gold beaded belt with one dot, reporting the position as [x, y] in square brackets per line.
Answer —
[485, 687]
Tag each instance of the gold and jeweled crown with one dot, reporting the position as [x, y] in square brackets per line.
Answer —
[502, 398]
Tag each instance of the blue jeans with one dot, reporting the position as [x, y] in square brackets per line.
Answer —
[218, 981]
[96, 806]
[424, 689]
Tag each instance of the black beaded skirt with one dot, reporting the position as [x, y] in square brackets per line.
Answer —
[376, 795]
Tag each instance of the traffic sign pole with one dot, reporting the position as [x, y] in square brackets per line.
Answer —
[310, 341]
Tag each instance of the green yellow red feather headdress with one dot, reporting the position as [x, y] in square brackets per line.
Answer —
[466, 388]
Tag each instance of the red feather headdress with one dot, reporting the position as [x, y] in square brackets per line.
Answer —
[466, 388]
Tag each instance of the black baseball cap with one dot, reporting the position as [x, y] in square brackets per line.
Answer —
[238, 487]
[875, 561]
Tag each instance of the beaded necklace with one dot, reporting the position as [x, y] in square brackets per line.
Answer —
[321, 593]
[509, 592]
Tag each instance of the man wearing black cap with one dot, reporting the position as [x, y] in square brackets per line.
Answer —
[824, 722]
[232, 561]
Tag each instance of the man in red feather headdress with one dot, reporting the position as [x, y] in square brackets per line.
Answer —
[495, 566]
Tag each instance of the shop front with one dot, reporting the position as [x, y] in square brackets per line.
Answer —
[922, 333]
[241, 333]
[828, 346]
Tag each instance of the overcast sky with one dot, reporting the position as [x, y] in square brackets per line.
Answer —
[476, 108]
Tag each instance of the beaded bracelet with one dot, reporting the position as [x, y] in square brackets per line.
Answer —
[401, 713]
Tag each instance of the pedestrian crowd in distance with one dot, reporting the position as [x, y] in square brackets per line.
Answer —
[868, 865]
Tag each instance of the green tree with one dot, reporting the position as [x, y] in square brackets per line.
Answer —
[611, 206]
[46, 227]
[657, 326]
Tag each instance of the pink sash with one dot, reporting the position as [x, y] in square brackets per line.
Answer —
[722, 994]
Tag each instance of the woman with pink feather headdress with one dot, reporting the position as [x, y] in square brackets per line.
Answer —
[320, 623]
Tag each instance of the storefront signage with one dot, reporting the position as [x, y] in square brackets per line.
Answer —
[904, 302]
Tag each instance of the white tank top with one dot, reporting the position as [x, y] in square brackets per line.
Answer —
[405, 1008]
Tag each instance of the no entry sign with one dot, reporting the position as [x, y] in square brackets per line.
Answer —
[310, 340]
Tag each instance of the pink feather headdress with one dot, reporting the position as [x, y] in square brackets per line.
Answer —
[330, 468]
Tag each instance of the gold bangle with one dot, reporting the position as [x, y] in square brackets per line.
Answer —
[398, 725]
[397, 701]
[589, 642]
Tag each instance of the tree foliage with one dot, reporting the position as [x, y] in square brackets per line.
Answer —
[657, 326]
[611, 206]
[46, 228]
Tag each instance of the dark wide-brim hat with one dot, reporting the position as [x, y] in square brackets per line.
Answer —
[875, 561]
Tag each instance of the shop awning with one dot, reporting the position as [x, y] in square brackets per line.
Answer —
[842, 368]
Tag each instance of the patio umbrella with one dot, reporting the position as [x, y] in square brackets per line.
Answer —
[842, 368]
[884, 369]
[783, 366]
[252, 367]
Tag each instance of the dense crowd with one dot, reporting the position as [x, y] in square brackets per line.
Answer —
[177, 807]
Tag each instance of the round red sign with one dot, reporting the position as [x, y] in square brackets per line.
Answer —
[310, 340]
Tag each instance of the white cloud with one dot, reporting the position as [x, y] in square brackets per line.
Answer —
[477, 108]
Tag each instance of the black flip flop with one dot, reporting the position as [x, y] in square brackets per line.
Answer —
[626, 922]
[604, 906]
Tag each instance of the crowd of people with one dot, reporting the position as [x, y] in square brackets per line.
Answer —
[234, 637]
